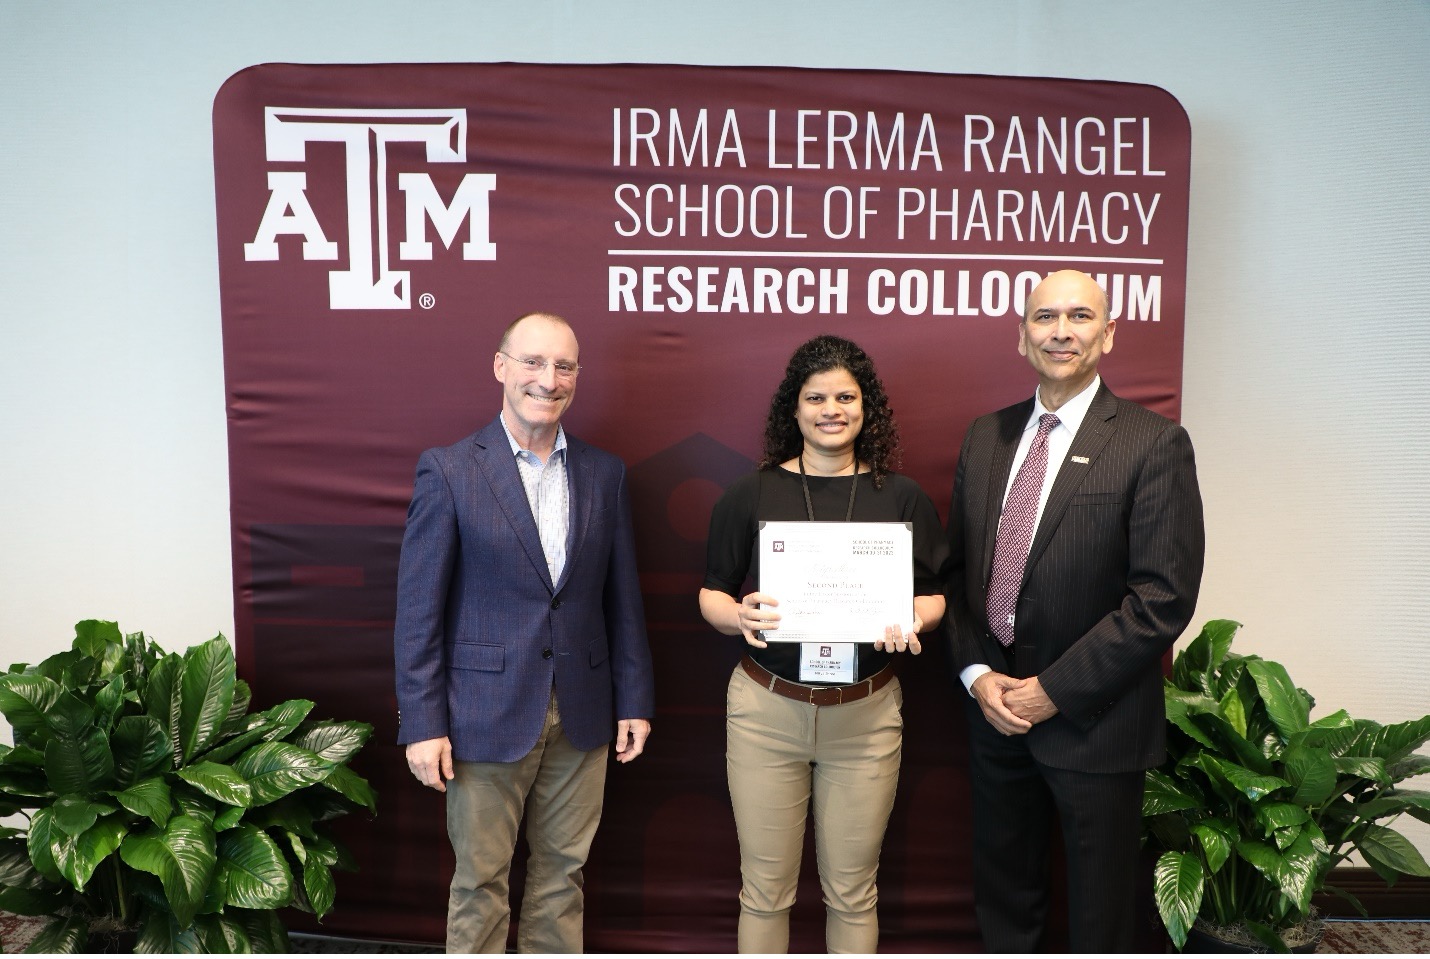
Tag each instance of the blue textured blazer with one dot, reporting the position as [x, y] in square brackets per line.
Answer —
[482, 632]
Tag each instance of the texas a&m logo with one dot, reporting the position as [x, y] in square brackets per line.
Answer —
[370, 282]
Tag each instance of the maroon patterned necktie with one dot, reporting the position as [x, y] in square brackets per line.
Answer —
[1015, 534]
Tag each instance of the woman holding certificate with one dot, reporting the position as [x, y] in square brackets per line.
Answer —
[856, 551]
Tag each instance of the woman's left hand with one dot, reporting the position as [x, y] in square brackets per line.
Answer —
[896, 640]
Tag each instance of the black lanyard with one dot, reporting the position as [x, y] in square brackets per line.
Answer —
[809, 503]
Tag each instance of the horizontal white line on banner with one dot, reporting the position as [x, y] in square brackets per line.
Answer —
[846, 255]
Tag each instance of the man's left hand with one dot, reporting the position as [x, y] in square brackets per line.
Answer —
[1030, 702]
[631, 735]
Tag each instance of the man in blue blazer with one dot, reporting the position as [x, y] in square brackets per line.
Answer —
[1077, 542]
[520, 645]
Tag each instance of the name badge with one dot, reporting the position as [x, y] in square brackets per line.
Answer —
[827, 662]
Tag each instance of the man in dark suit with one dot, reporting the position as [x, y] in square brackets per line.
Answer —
[1077, 541]
[520, 645]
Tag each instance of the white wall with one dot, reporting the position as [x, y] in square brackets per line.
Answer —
[1306, 323]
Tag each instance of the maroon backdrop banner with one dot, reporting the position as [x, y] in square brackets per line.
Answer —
[379, 225]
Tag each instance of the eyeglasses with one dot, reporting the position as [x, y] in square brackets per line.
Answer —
[535, 365]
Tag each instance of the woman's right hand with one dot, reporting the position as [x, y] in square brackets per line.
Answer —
[753, 620]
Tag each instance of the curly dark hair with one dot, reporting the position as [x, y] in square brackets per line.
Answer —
[878, 441]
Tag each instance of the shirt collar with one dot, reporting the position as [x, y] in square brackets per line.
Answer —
[1071, 413]
[517, 449]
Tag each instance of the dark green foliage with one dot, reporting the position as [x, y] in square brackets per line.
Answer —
[155, 799]
[1256, 804]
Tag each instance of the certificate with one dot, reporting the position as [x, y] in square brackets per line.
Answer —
[837, 582]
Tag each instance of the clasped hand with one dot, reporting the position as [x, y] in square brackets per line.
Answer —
[1012, 706]
[754, 620]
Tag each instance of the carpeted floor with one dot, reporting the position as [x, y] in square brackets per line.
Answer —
[1342, 937]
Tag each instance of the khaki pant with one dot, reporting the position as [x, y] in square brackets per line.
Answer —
[565, 787]
[778, 752]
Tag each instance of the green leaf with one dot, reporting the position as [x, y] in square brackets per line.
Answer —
[74, 815]
[141, 748]
[1363, 767]
[1267, 936]
[79, 766]
[226, 934]
[334, 741]
[108, 702]
[93, 636]
[26, 782]
[1303, 867]
[149, 798]
[1280, 815]
[1312, 773]
[182, 855]
[286, 717]
[162, 701]
[1163, 794]
[194, 803]
[238, 712]
[275, 769]
[15, 866]
[1233, 711]
[77, 857]
[235, 937]
[1266, 859]
[1392, 803]
[327, 852]
[229, 818]
[266, 726]
[319, 885]
[291, 813]
[1229, 740]
[62, 935]
[22, 901]
[1333, 732]
[1286, 836]
[352, 786]
[220, 782]
[1181, 706]
[43, 835]
[157, 934]
[1249, 784]
[1390, 848]
[206, 693]
[1337, 890]
[1215, 838]
[264, 930]
[1395, 742]
[26, 702]
[1177, 884]
[1196, 666]
[1408, 767]
[1283, 701]
[252, 870]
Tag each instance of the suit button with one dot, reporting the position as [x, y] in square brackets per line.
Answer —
[546, 653]
[556, 603]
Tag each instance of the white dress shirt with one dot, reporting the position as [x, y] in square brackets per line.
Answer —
[548, 496]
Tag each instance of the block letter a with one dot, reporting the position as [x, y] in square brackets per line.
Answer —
[289, 212]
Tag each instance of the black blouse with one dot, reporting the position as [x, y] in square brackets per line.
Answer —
[732, 551]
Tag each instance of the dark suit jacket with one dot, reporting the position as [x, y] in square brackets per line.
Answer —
[1111, 579]
[482, 631]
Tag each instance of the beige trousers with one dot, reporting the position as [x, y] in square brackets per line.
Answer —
[780, 752]
[561, 788]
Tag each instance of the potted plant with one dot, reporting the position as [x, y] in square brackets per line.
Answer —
[1256, 803]
[157, 803]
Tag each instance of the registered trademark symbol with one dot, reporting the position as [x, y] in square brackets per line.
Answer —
[426, 301]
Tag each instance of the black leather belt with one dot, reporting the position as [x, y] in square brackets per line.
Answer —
[817, 695]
